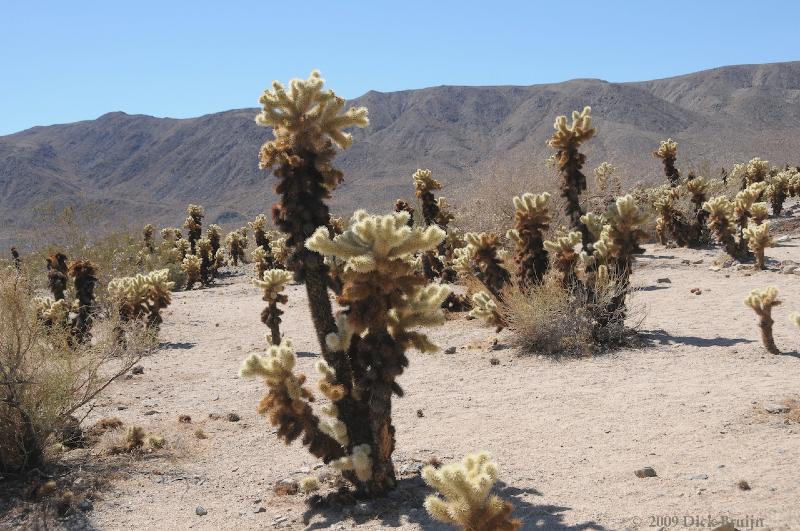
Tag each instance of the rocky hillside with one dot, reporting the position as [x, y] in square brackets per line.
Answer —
[140, 167]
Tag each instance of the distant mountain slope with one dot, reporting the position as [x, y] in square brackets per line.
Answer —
[145, 168]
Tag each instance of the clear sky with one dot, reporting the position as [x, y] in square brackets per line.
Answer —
[62, 61]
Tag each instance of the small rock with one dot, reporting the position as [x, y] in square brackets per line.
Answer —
[664, 280]
[450, 350]
[233, 417]
[646, 472]
[686, 262]
[185, 419]
[494, 361]
[698, 476]
[776, 408]
[420, 414]
[200, 511]
[743, 485]
[304, 470]
[85, 505]
[259, 510]
[122, 408]
[788, 269]
[697, 262]
[139, 369]
[410, 468]
[150, 412]
[279, 519]
[783, 239]
[362, 508]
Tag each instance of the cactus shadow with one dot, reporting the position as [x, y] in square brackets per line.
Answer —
[654, 287]
[653, 338]
[168, 345]
[302, 354]
[404, 506]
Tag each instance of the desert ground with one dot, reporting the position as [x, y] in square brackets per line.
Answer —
[691, 402]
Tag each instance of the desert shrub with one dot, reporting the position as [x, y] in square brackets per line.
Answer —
[45, 377]
[466, 500]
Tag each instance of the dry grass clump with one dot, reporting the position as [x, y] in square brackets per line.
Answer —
[46, 376]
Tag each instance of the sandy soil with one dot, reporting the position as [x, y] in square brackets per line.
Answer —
[567, 435]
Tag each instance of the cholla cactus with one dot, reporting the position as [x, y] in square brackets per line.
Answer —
[57, 274]
[668, 153]
[191, 266]
[721, 224]
[171, 234]
[148, 232]
[142, 296]
[532, 218]
[670, 220]
[271, 283]
[564, 256]
[485, 308]
[567, 139]
[762, 301]
[424, 186]
[758, 239]
[777, 189]
[467, 501]
[51, 312]
[236, 245]
[759, 213]
[260, 259]
[182, 247]
[337, 225]
[194, 224]
[794, 181]
[607, 184]
[203, 246]
[214, 235]
[307, 123]
[280, 252]
[385, 301]
[84, 274]
[402, 206]
[795, 318]
[287, 404]
[259, 226]
[698, 188]
[16, 259]
[755, 171]
[483, 250]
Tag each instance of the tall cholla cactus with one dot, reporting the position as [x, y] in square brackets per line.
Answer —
[607, 183]
[483, 250]
[142, 296]
[621, 239]
[147, 233]
[762, 301]
[721, 223]
[259, 226]
[307, 124]
[670, 220]
[668, 153]
[567, 139]
[84, 274]
[742, 204]
[280, 252]
[271, 283]
[467, 503]
[236, 244]
[532, 218]
[758, 239]
[424, 186]
[754, 171]
[260, 259]
[384, 301]
[698, 188]
[194, 224]
[57, 275]
[191, 266]
[214, 235]
[402, 206]
[203, 247]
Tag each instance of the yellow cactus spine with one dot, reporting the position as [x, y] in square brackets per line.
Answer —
[668, 153]
[762, 301]
[308, 123]
[466, 499]
[758, 239]
[567, 139]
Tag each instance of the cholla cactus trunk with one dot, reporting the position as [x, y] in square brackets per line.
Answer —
[16, 259]
[57, 275]
[402, 206]
[83, 272]
[567, 140]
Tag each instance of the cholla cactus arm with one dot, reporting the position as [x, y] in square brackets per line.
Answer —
[271, 284]
[484, 251]
[402, 206]
[467, 501]
[564, 256]
[424, 186]
[287, 402]
[759, 213]
[777, 190]
[762, 301]
[84, 274]
[485, 308]
[758, 239]
[602, 175]
[567, 139]
[624, 233]
[721, 223]
[668, 153]
[532, 218]
[51, 312]
[57, 274]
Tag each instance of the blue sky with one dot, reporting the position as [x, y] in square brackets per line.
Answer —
[67, 61]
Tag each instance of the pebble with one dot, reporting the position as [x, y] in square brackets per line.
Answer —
[698, 476]
[85, 505]
[420, 414]
[233, 417]
[788, 269]
[259, 510]
[450, 350]
[743, 485]
[646, 472]
[410, 468]
[137, 370]
[776, 408]
[664, 281]
[200, 511]
[494, 361]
